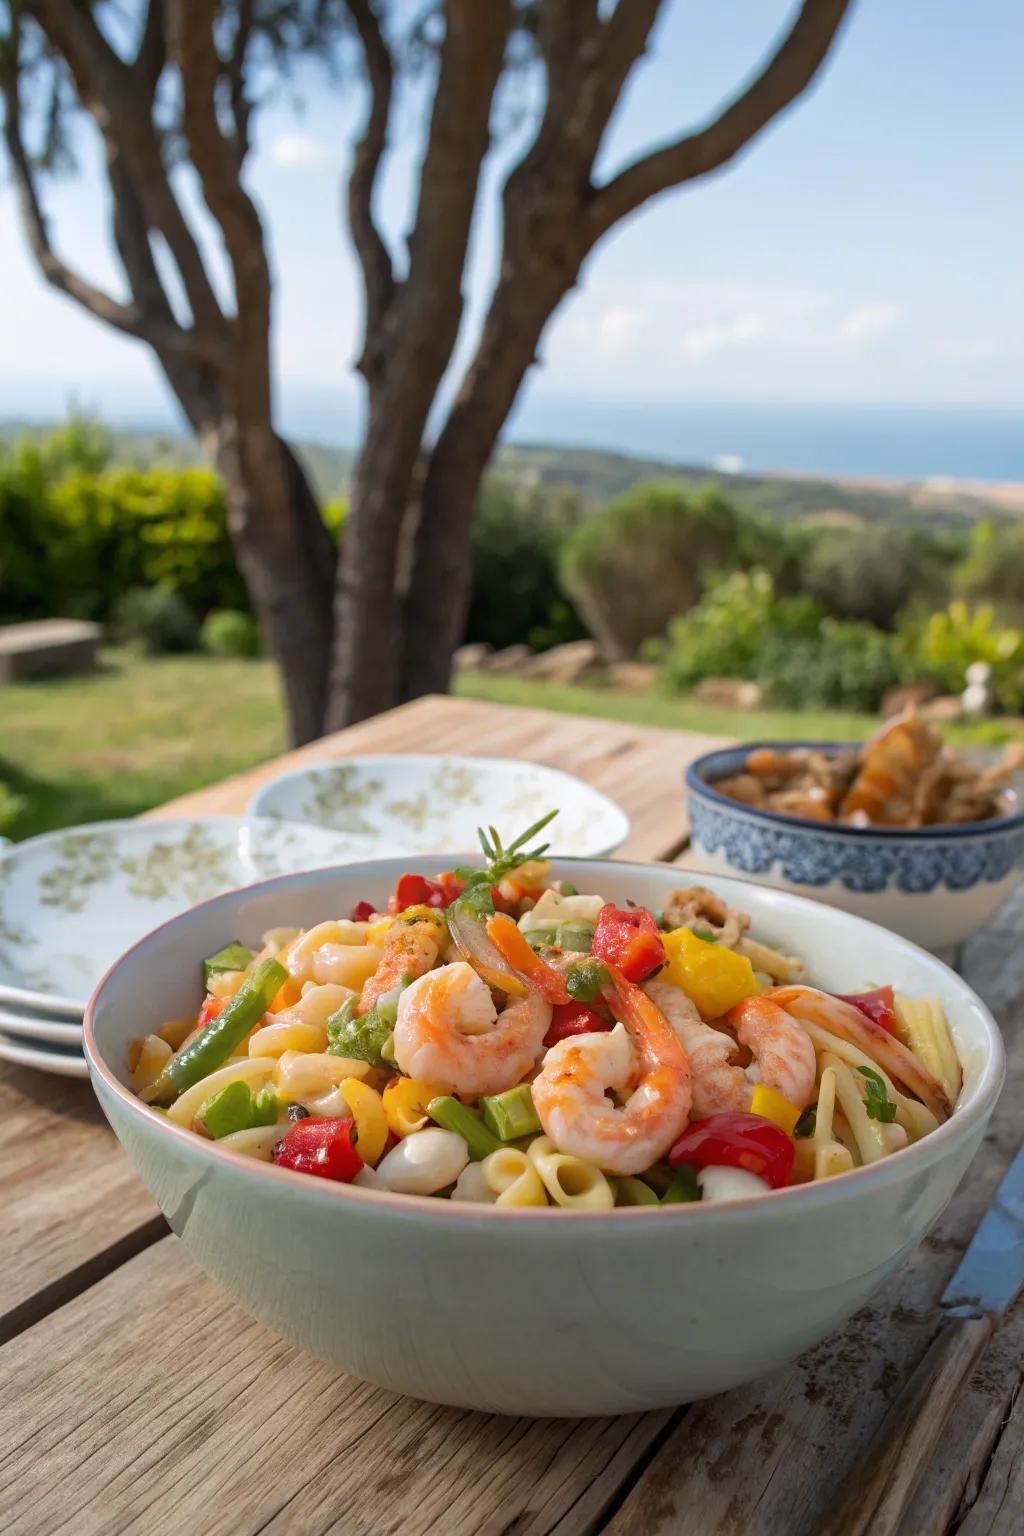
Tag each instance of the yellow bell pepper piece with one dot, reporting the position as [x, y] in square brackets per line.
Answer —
[368, 1114]
[378, 930]
[405, 1104]
[770, 1103]
[713, 977]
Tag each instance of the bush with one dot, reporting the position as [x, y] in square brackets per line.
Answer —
[848, 665]
[11, 807]
[643, 559]
[724, 635]
[873, 573]
[944, 645]
[517, 538]
[227, 632]
[993, 568]
[155, 619]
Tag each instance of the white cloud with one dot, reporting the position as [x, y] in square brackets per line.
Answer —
[702, 340]
[298, 149]
[869, 320]
[617, 329]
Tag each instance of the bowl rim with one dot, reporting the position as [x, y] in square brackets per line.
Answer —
[918, 1157]
[420, 759]
[698, 785]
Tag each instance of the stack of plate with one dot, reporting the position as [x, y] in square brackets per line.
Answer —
[71, 902]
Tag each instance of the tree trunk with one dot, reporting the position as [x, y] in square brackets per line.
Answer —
[287, 560]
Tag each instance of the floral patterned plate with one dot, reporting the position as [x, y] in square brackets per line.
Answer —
[416, 804]
[71, 902]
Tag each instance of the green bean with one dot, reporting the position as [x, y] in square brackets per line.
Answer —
[214, 1044]
[450, 1115]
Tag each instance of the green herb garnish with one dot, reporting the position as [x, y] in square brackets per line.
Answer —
[705, 934]
[877, 1102]
[585, 979]
[807, 1122]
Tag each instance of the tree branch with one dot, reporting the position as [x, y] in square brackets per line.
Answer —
[159, 329]
[151, 54]
[235, 73]
[787, 74]
[374, 258]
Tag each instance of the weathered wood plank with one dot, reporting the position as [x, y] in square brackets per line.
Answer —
[999, 1508]
[152, 1403]
[71, 1207]
[771, 1457]
[639, 766]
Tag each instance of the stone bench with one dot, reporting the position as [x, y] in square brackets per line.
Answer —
[47, 648]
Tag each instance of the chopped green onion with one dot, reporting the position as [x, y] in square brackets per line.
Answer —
[233, 957]
[705, 934]
[236, 1108]
[576, 935]
[585, 978]
[566, 888]
[214, 1044]
[511, 1114]
[877, 1102]
[450, 1115]
[541, 938]
[684, 1187]
[630, 1191]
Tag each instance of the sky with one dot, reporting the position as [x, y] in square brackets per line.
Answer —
[864, 253]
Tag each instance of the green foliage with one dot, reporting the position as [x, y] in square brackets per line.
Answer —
[156, 620]
[724, 634]
[993, 567]
[873, 573]
[517, 538]
[227, 632]
[644, 558]
[945, 644]
[849, 664]
[11, 807]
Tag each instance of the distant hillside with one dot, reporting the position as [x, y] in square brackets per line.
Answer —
[598, 476]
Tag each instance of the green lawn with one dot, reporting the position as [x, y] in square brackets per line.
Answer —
[144, 730]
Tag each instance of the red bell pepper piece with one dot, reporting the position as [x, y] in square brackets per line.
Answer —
[212, 1007]
[879, 1006]
[362, 912]
[574, 1019]
[735, 1140]
[419, 891]
[629, 939]
[325, 1148]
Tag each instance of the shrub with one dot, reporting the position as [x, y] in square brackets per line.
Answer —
[847, 665]
[873, 573]
[944, 645]
[227, 632]
[993, 568]
[11, 807]
[642, 559]
[155, 619]
[517, 538]
[724, 635]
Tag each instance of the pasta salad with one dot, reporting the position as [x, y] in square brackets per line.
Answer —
[495, 1035]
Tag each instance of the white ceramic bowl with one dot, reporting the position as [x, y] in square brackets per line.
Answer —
[934, 885]
[545, 1311]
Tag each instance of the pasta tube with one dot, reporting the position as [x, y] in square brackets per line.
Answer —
[875, 1139]
[153, 1054]
[570, 1181]
[923, 1024]
[916, 1118]
[513, 1178]
[247, 1069]
[302, 1074]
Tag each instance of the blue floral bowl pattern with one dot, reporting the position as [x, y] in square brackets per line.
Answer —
[848, 866]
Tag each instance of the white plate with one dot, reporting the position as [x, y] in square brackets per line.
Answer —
[72, 901]
[418, 805]
[34, 1026]
[63, 1063]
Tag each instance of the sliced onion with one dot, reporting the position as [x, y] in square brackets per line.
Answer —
[472, 943]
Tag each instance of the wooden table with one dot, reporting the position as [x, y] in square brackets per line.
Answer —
[135, 1397]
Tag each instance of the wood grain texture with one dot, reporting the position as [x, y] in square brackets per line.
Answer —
[639, 766]
[151, 1403]
[71, 1207]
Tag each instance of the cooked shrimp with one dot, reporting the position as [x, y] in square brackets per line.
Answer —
[410, 949]
[449, 1033]
[644, 1057]
[695, 904]
[783, 1053]
[893, 762]
[846, 1021]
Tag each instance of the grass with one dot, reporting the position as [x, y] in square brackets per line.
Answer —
[136, 733]
[143, 730]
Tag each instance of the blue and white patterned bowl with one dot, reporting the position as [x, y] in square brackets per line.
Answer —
[934, 885]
